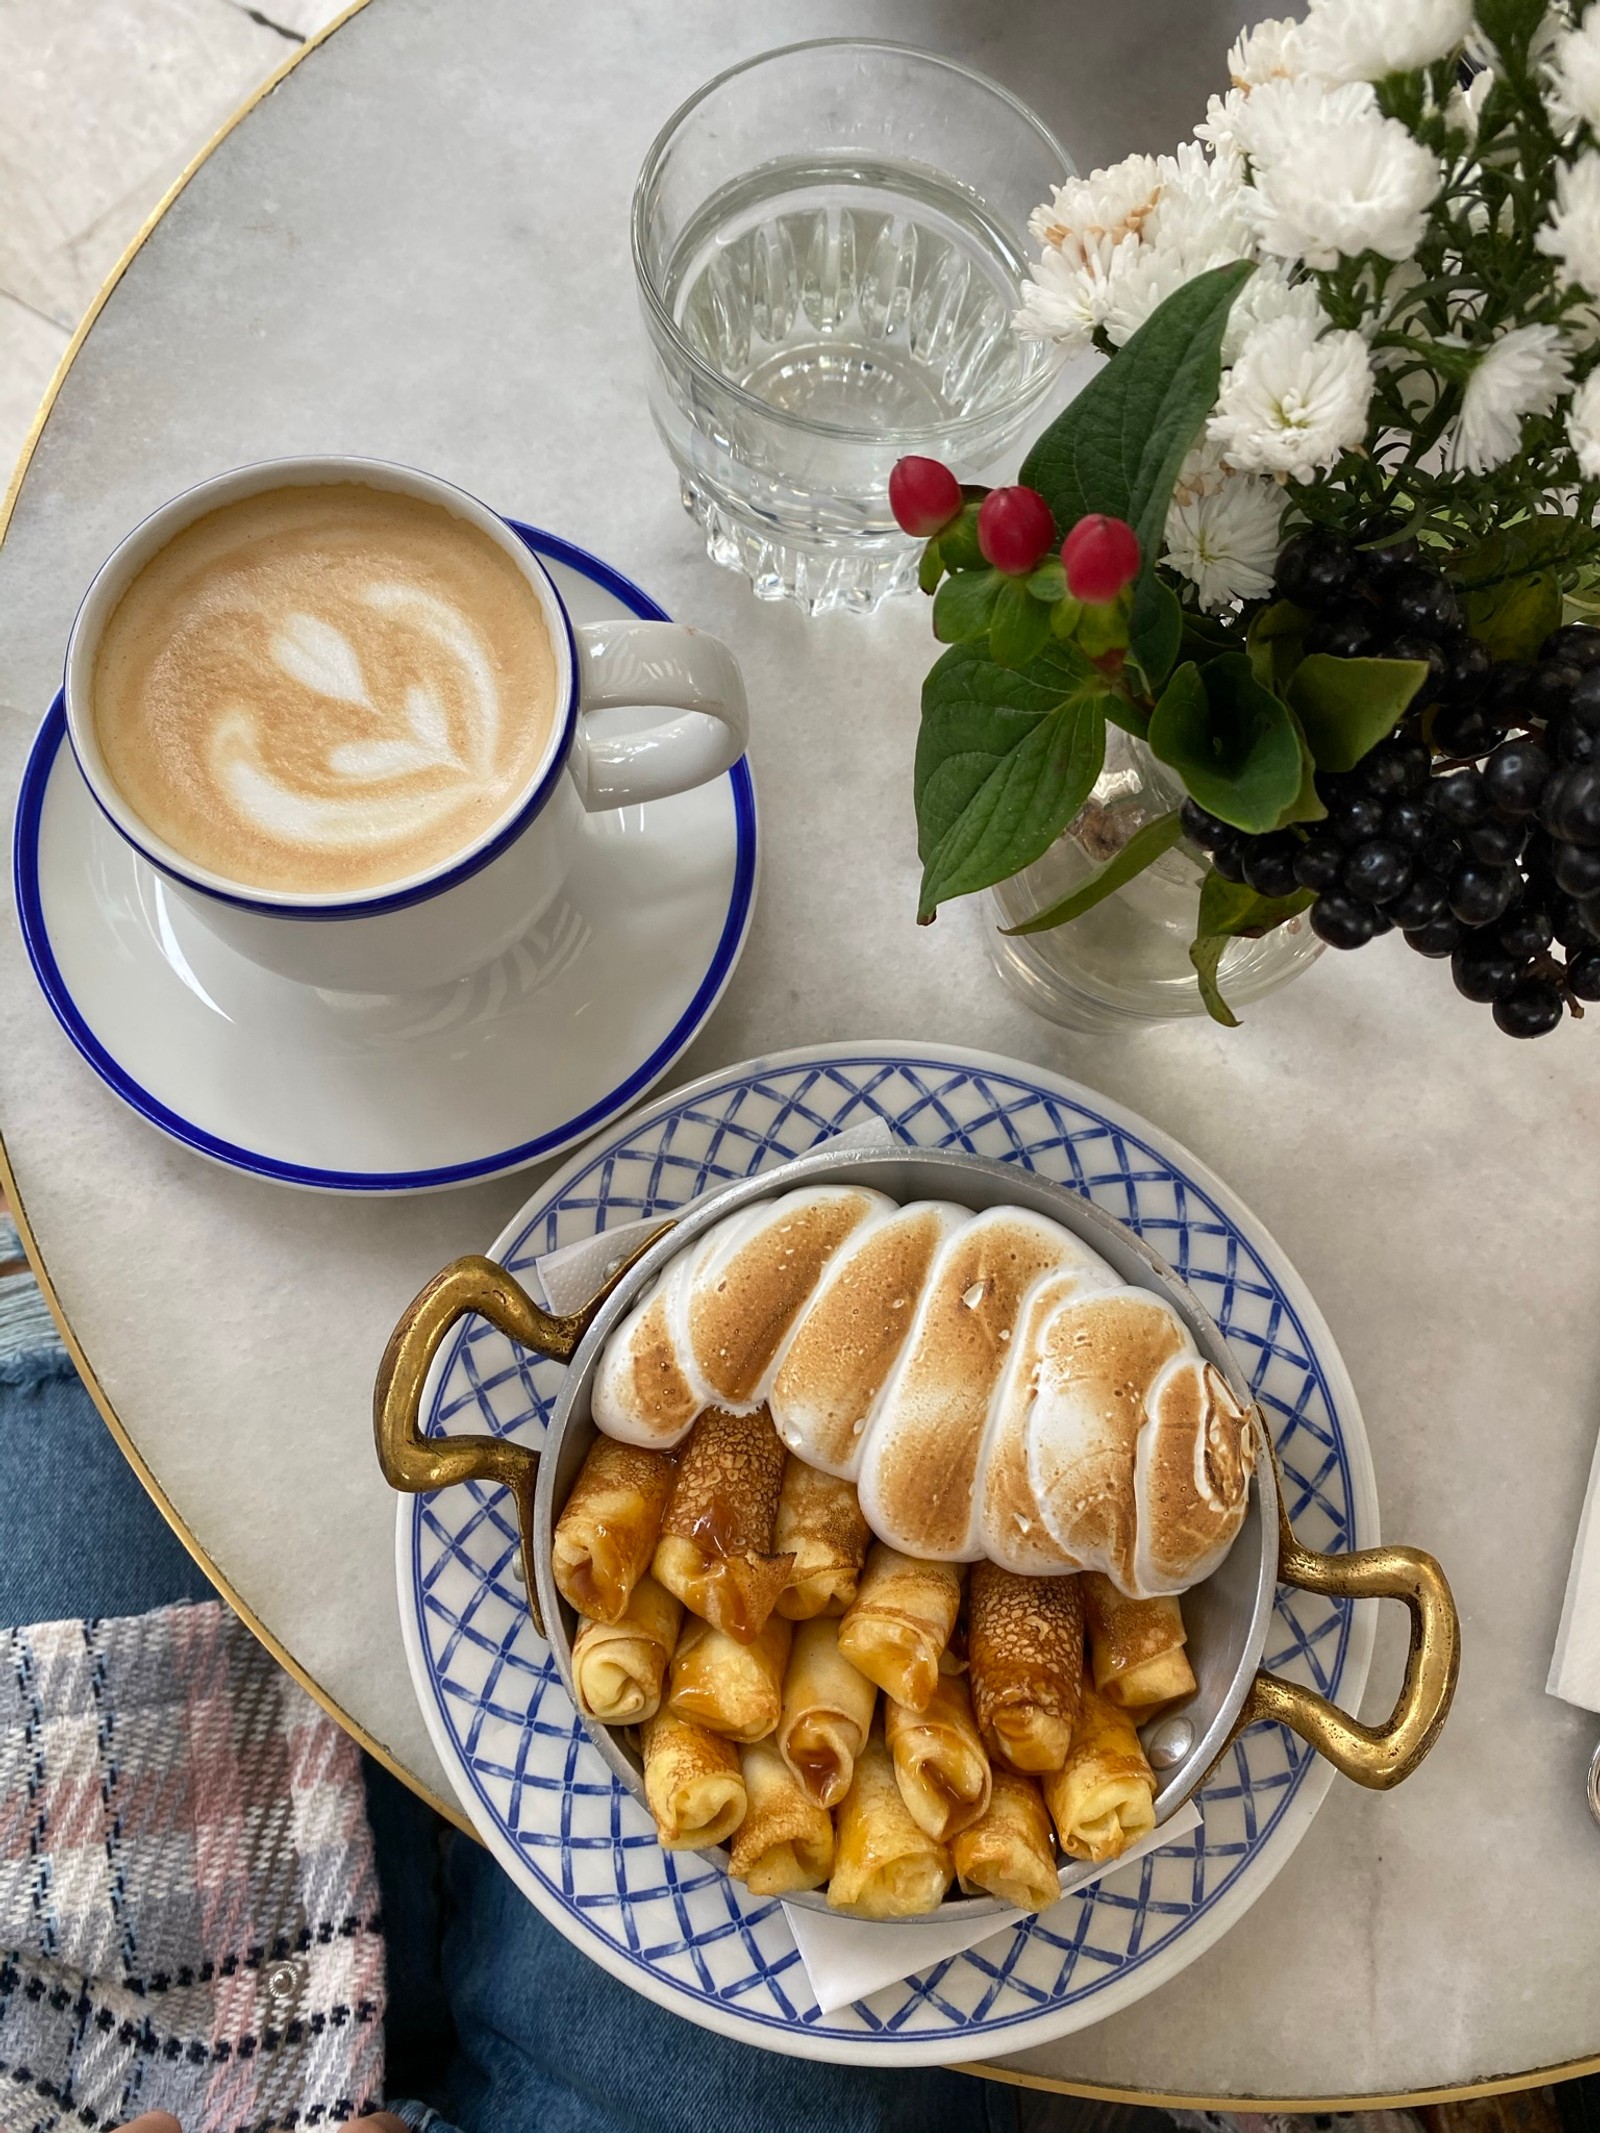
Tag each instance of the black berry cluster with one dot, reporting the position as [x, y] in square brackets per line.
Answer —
[1475, 827]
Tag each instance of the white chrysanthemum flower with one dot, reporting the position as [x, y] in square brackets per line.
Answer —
[1573, 74]
[1268, 121]
[1267, 51]
[1583, 426]
[1118, 244]
[1223, 530]
[1063, 301]
[1269, 294]
[1199, 223]
[1088, 218]
[1572, 235]
[1522, 372]
[1333, 185]
[1219, 129]
[1293, 401]
[1363, 40]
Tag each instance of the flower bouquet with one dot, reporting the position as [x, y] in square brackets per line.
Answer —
[1321, 531]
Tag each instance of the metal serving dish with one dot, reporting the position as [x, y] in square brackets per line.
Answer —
[1227, 1615]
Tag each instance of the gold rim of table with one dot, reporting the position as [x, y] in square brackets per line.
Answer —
[1495, 2085]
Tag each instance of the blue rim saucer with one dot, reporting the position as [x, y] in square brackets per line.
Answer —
[105, 1045]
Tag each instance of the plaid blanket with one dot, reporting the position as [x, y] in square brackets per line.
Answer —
[188, 1904]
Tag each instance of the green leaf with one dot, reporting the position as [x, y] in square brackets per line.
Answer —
[1205, 952]
[1118, 446]
[1048, 582]
[1236, 746]
[1141, 850]
[1542, 542]
[1205, 637]
[1229, 910]
[1273, 643]
[931, 568]
[1514, 617]
[1346, 706]
[1155, 629]
[964, 605]
[1021, 625]
[1005, 759]
[958, 544]
[1065, 617]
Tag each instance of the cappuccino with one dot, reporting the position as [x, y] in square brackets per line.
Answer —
[325, 688]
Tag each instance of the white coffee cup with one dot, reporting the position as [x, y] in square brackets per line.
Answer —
[456, 916]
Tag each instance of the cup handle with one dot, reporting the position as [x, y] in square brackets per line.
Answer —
[666, 663]
[1383, 1755]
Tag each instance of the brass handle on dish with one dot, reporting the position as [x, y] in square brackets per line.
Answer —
[1377, 1756]
[412, 1462]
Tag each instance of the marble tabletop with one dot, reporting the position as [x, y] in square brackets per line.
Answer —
[417, 248]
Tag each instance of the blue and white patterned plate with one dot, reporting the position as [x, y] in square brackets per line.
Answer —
[582, 1848]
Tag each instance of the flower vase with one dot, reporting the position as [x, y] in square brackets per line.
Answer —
[1126, 960]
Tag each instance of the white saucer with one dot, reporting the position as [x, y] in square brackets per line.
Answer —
[393, 1094]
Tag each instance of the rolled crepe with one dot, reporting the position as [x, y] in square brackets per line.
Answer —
[1136, 1653]
[1025, 1645]
[1104, 1799]
[785, 1841]
[618, 1667]
[899, 1623]
[884, 1866]
[1011, 1851]
[715, 1550]
[827, 1713]
[692, 1784]
[939, 1761]
[819, 1521]
[730, 1688]
[606, 1534]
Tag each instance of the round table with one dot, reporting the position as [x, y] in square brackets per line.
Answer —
[416, 247]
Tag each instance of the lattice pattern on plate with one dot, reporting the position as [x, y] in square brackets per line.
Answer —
[678, 1926]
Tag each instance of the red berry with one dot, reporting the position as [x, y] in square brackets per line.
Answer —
[1015, 529]
[1100, 556]
[924, 496]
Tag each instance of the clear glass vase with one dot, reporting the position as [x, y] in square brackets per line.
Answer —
[1127, 960]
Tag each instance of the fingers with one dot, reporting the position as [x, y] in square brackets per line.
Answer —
[155, 2122]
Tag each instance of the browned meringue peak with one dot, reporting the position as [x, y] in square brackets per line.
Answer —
[1008, 1525]
[1192, 1477]
[1102, 1434]
[708, 1330]
[920, 1462]
[749, 1297]
[1098, 1358]
[848, 1341]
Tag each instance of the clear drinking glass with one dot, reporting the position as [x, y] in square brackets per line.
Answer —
[1127, 959]
[830, 242]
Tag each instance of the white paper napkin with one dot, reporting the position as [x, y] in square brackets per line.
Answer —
[572, 1273]
[848, 1958]
[1575, 1666]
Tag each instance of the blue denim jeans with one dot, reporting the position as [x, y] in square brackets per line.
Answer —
[496, 2024]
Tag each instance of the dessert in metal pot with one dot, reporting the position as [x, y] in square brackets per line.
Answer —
[825, 1409]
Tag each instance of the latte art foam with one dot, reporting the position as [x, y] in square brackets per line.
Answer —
[325, 688]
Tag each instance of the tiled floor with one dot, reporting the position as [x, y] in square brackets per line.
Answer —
[102, 102]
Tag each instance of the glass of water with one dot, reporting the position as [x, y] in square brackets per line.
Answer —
[830, 242]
